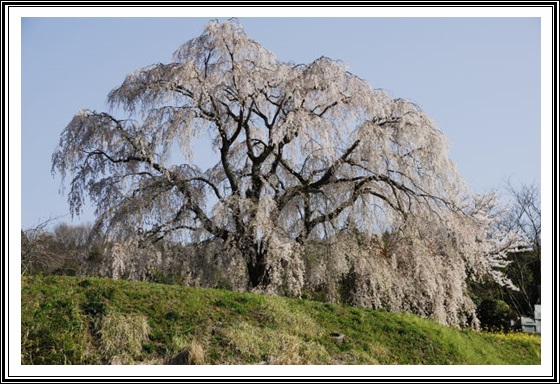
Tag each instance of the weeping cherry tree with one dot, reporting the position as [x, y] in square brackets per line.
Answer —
[303, 151]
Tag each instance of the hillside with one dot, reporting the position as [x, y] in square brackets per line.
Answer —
[67, 320]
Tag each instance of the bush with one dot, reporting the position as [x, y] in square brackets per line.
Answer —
[495, 315]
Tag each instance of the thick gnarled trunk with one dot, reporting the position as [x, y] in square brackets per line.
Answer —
[258, 270]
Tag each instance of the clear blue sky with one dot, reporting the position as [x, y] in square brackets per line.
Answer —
[477, 78]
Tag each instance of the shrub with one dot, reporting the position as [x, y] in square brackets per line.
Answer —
[494, 315]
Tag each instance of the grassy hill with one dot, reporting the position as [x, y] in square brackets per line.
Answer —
[67, 320]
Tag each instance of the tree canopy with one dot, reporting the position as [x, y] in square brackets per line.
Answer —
[303, 152]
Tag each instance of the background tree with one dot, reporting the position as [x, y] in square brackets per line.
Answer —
[524, 268]
[35, 254]
[58, 250]
[303, 151]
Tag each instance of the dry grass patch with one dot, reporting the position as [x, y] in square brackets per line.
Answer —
[296, 322]
[191, 351]
[122, 336]
[274, 346]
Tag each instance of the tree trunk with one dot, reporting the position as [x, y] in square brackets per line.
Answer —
[259, 274]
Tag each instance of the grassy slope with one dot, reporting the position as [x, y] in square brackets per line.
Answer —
[98, 321]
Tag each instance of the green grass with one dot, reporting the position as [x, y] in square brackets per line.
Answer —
[67, 320]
